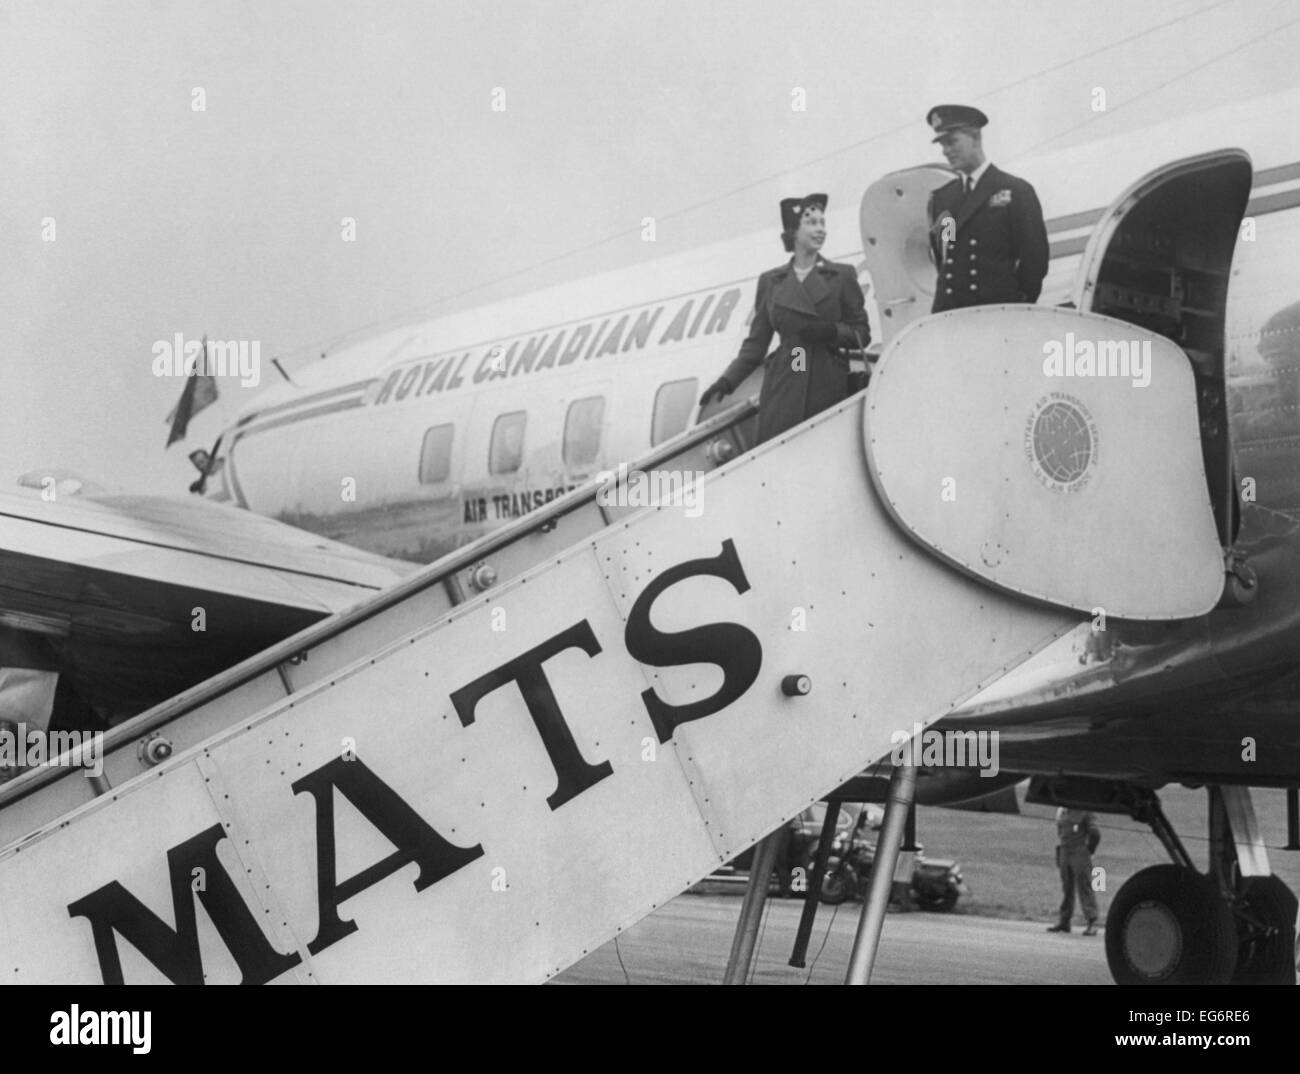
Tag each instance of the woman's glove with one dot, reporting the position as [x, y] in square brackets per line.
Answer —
[720, 389]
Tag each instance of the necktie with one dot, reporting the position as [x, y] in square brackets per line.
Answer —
[969, 183]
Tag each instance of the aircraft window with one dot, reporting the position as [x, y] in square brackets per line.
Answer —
[582, 428]
[506, 453]
[674, 402]
[435, 455]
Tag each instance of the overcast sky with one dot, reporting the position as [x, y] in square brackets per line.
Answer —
[228, 220]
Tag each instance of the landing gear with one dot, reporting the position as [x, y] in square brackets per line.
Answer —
[1266, 916]
[1168, 925]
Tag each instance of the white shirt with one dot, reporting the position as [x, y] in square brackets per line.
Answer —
[976, 176]
[802, 274]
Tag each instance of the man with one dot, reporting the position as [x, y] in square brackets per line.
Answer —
[1077, 837]
[986, 227]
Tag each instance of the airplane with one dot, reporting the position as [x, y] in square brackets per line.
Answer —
[421, 441]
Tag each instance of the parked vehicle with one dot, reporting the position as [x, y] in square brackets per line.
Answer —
[799, 842]
[936, 885]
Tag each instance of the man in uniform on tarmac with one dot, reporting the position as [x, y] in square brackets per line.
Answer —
[986, 227]
[1077, 837]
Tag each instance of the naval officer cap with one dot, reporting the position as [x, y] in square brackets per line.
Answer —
[943, 118]
[792, 209]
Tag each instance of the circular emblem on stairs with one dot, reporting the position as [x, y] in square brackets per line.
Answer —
[1061, 442]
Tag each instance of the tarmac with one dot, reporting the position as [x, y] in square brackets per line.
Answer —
[688, 940]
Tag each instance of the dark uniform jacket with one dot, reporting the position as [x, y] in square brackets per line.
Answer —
[830, 292]
[999, 252]
[1077, 833]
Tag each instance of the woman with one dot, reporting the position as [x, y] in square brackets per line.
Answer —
[817, 308]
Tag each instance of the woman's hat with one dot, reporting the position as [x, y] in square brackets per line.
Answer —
[792, 209]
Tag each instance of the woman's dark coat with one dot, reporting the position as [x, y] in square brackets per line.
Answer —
[784, 306]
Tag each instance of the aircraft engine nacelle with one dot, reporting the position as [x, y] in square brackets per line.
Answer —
[1015, 441]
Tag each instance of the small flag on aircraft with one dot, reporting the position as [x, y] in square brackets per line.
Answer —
[200, 391]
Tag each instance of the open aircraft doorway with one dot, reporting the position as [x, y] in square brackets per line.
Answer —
[1160, 258]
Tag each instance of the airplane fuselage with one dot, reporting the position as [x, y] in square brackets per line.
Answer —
[447, 431]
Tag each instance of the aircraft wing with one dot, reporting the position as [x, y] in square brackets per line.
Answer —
[134, 598]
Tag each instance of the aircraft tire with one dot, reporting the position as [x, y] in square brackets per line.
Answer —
[1169, 925]
[1268, 959]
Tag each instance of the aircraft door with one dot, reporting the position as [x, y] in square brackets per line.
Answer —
[895, 224]
[1160, 258]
